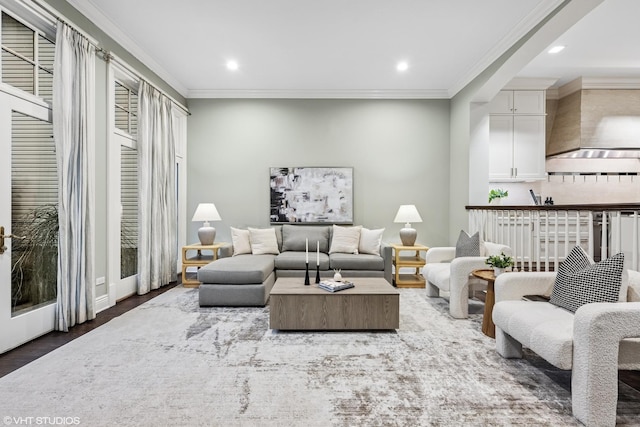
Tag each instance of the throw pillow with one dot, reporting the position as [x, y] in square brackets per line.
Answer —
[294, 237]
[345, 240]
[468, 245]
[241, 242]
[263, 241]
[580, 282]
[370, 241]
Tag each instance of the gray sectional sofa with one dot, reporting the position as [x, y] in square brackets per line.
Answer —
[246, 279]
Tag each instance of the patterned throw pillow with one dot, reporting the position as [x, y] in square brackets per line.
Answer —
[468, 245]
[579, 281]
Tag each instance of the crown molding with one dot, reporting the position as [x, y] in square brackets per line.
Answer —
[599, 83]
[530, 83]
[93, 13]
[318, 94]
[518, 31]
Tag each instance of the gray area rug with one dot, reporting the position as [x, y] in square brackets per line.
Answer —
[171, 363]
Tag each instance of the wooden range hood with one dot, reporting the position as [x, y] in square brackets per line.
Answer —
[596, 123]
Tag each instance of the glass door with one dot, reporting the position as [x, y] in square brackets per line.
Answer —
[29, 218]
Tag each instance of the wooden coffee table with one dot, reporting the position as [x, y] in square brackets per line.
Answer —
[488, 327]
[372, 304]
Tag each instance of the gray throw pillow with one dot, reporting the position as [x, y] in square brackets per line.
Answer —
[294, 237]
[468, 245]
[580, 282]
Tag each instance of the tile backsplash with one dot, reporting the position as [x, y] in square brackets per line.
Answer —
[580, 181]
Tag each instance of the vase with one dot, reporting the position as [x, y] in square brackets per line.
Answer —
[497, 271]
[496, 202]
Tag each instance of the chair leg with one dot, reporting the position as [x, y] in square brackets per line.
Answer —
[432, 290]
[507, 346]
[459, 302]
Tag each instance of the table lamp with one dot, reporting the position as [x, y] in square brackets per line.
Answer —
[206, 212]
[408, 214]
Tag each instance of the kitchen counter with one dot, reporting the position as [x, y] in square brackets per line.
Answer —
[575, 207]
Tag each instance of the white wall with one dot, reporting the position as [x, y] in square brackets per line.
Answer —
[399, 150]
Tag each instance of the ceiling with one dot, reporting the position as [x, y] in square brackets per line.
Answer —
[339, 48]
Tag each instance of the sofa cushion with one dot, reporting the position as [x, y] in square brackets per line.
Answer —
[294, 237]
[370, 241]
[544, 328]
[580, 282]
[468, 245]
[339, 261]
[295, 260]
[438, 274]
[345, 239]
[238, 270]
[263, 241]
[241, 241]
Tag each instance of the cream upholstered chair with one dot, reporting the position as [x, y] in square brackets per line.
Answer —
[594, 343]
[444, 272]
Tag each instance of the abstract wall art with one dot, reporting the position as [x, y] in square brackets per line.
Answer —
[311, 195]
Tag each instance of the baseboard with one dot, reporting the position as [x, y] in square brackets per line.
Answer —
[102, 303]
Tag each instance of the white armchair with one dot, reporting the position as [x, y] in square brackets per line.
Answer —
[444, 272]
[594, 343]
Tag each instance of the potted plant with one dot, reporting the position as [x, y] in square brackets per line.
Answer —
[499, 263]
[497, 195]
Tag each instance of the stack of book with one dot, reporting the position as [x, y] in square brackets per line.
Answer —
[333, 286]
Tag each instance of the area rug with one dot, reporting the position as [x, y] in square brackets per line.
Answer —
[170, 362]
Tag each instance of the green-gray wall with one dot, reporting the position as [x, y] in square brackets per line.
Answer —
[399, 150]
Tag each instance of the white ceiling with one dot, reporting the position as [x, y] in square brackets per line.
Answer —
[340, 48]
[605, 43]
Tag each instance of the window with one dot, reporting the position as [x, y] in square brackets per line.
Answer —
[27, 58]
[126, 109]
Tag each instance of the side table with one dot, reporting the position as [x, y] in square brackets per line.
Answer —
[198, 260]
[414, 280]
[488, 328]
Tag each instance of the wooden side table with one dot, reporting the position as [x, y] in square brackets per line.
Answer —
[198, 260]
[488, 328]
[414, 280]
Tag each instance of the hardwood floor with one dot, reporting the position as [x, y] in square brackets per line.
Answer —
[26, 353]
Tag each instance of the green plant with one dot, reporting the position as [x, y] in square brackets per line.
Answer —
[497, 194]
[500, 261]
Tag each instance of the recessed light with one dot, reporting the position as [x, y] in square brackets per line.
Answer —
[232, 65]
[402, 66]
[556, 49]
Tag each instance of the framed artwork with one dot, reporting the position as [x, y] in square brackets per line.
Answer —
[311, 195]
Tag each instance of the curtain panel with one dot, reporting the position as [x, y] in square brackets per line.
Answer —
[74, 135]
[157, 208]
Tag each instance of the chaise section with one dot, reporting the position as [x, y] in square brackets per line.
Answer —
[243, 280]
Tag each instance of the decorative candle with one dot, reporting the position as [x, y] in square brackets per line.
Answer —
[306, 245]
[318, 253]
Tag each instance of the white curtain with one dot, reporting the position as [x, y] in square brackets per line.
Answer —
[74, 135]
[157, 234]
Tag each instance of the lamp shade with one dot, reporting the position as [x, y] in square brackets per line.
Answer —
[407, 214]
[206, 212]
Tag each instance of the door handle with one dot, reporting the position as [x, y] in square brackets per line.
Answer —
[3, 248]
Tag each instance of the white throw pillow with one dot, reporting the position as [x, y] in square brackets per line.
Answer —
[240, 241]
[345, 239]
[263, 241]
[370, 241]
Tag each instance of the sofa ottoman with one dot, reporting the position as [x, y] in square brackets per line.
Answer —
[243, 280]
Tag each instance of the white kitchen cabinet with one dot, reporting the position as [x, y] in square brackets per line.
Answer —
[518, 102]
[516, 148]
